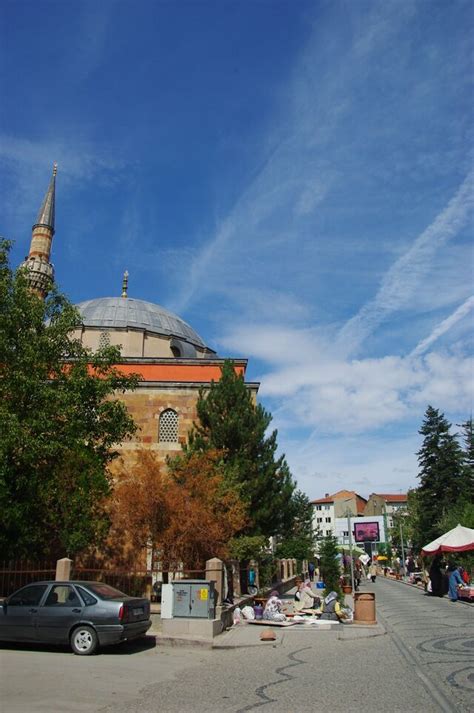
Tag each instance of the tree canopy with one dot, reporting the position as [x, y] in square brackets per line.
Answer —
[59, 422]
[229, 421]
[299, 540]
[444, 473]
[185, 515]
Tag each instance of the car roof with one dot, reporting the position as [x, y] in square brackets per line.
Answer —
[82, 582]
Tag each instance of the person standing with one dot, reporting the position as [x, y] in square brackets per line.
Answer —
[436, 577]
[357, 575]
[373, 571]
[455, 581]
[311, 571]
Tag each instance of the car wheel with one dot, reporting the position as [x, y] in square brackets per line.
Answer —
[84, 641]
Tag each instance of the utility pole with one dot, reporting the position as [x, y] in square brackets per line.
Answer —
[350, 548]
[403, 549]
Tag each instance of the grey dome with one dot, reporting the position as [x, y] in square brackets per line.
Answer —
[124, 312]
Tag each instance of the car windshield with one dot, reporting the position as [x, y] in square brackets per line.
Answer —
[105, 591]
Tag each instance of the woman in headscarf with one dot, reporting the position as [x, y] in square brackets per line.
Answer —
[272, 611]
[455, 581]
[305, 598]
[436, 577]
[331, 608]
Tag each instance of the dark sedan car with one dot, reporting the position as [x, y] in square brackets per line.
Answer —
[84, 614]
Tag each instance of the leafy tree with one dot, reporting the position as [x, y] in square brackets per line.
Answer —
[329, 564]
[299, 540]
[462, 513]
[59, 423]
[230, 422]
[187, 515]
[441, 475]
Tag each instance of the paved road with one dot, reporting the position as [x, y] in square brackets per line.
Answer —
[435, 635]
[303, 672]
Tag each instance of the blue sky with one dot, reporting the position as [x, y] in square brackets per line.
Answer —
[294, 179]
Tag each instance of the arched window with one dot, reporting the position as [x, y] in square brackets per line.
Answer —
[168, 432]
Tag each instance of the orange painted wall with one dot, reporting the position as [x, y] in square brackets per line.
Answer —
[176, 372]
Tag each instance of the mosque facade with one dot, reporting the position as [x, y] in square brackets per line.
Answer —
[171, 359]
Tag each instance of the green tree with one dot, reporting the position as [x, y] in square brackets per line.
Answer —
[230, 422]
[468, 460]
[329, 564]
[59, 423]
[441, 474]
[299, 540]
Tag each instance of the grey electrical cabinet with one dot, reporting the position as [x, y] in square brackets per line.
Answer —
[193, 598]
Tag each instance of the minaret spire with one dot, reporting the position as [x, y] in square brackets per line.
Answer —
[40, 270]
[46, 213]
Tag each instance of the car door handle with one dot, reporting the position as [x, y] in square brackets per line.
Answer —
[76, 611]
[33, 611]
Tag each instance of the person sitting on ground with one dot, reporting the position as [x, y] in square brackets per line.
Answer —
[273, 608]
[331, 608]
[305, 598]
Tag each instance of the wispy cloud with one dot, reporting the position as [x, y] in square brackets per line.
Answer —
[30, 163]
[269, 221]
[461, 312]
[400, 283]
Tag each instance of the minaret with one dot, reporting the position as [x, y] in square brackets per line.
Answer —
[40, 271]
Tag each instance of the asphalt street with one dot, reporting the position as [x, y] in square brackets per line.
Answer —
[425, 662]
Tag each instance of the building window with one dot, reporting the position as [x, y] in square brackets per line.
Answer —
[319, 519]
[345, 533]
[319, 507]
[328, 519]
[104, 340]
[168, 426]
[327, 507]
[328, 532]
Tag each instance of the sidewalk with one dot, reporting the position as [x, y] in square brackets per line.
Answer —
[246, 635]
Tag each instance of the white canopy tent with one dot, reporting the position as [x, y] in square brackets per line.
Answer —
[459, 539]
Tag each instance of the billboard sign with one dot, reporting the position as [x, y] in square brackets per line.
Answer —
[366, 532]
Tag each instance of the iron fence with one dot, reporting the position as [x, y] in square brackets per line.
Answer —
[14, 575]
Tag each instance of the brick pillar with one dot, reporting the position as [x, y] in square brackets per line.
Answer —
[63, 569]
[215, 573]
[285, 563]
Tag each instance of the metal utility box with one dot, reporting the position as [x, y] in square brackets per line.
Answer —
[192, 599]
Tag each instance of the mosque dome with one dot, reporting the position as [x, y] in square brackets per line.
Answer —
[109, 314]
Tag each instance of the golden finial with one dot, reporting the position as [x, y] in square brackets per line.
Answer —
[125, 284]
[55, 168]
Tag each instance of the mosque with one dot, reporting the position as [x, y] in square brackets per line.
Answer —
[172, 360]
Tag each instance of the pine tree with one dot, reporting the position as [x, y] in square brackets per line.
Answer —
[468, 461]
[229, 421]
[299, 539]
[440, 473]
[329, 564]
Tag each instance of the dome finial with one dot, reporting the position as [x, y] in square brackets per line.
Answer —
[55, 168]
[125, 284]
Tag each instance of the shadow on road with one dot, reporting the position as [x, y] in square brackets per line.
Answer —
[127, 648]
